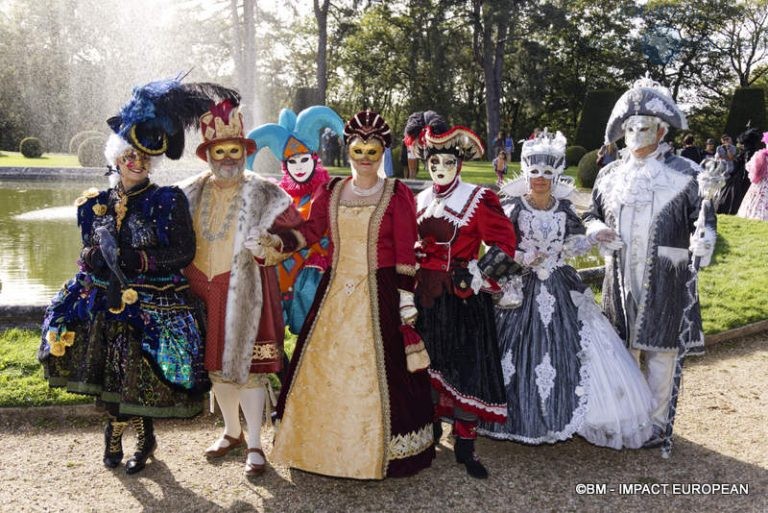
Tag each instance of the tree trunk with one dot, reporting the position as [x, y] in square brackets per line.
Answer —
[491, 22]
[245, 58]
[321, 15]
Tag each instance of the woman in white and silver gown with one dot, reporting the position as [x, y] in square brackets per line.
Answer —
[566, 371]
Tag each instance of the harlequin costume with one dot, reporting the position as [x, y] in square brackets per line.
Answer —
[351, 407]
[294, 140]
[124, 329]
[455, 314]
[244, 342]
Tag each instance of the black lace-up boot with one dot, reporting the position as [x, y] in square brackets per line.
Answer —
[113, 442]
[145, 433]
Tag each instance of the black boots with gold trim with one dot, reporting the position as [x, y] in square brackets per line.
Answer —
[113, 442]
[145, 448]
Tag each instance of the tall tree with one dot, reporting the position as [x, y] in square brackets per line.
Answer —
[321, 15]
[490, 23]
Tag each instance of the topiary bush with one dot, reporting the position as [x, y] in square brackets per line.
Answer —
[594, 116]
[573, 155]
[588, 169]
[79, 137]
[90, 153]
[747, 106]
[31, 147]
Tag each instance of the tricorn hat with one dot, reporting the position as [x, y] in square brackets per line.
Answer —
[645, 98]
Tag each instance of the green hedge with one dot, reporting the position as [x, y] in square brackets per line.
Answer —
[78, 138]
[594, 117]
[747, 106]
[90, 153]
[31, 147]
[588, 169]
[573, 155]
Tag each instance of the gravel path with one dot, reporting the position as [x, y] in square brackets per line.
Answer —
[52, 463]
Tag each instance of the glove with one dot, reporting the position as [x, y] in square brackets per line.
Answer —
[94, 259]
[408, 311]
[608, 239]
[529, 258]
[702, 246]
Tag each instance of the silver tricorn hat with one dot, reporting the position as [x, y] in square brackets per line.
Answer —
[645, 98]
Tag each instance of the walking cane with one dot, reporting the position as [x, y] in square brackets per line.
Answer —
[711, 180]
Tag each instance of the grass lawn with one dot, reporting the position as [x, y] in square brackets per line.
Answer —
[732, 294]
[13, 159]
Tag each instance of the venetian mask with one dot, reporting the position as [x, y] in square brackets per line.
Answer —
[300, 166]
[641, 131]
[541, 172]
[370, 151]
[443, 168]
[227, 159]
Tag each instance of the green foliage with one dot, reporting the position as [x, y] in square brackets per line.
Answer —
[594, 117]
[21, 376]
[573, 155]
[747, 106]
[588, 169]
[90, 153]
[79, 137]
[31, 147]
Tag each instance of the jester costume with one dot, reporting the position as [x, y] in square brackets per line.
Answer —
[294, 140]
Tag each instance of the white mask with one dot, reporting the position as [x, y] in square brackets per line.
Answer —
[443, 167]
[641, 131]
[300, 167]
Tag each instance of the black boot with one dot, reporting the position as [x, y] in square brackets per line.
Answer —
[113, 442]
[437, 431]
[145, 433]
[465, 453]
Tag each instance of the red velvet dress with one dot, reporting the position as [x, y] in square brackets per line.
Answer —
[406, 402]
[455, 321]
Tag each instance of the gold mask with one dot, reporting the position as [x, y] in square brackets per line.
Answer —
[229, 149]
[370, 150]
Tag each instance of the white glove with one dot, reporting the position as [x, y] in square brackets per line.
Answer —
[608, 239]
[408, 311]
[529, 258]
[259, 241]
[703, 246]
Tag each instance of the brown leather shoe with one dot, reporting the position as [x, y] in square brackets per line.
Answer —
[223, 451]
[253, 469]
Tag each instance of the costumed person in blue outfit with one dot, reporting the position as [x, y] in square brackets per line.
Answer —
[295, 140]
[566, 371]
[124, 329]
[650, 199]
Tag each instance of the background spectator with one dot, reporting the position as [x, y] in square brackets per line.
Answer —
[500, 166]
[690, 150]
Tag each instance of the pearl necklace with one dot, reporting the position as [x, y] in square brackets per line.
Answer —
[359, 191]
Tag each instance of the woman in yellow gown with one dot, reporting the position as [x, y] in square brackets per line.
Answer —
[350, 406]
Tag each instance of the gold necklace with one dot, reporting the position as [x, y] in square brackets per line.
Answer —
[205, 214]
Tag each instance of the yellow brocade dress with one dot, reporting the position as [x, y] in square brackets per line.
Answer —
[333, 422]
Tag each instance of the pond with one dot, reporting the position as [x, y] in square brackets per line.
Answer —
[39, 239]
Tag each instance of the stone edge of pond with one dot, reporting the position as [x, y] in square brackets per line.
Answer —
[51, 173]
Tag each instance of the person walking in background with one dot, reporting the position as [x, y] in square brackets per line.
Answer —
[738, 183]
[499, 143]
[690, 150]
[726, 153]
[710, 150]
[606, 154]
[509, 146]
[500, 166]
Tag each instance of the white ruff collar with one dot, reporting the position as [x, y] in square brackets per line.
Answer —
[457, 207]
[639, 179]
